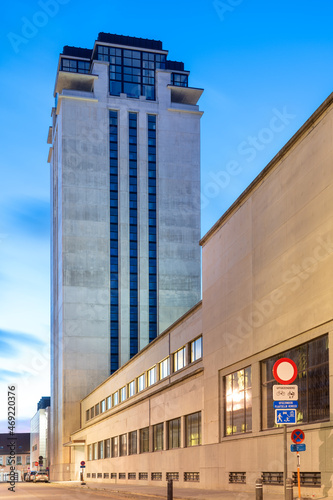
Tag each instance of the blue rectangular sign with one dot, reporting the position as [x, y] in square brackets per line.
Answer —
[285, 405]
[285, 416]
[297, 447]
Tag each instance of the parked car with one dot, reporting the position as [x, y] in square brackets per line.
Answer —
[30, 475]
[41, 475]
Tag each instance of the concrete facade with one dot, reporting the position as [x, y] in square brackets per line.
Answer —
[267, 293]
[80, 256]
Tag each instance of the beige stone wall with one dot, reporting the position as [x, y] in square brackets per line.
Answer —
[267, 268]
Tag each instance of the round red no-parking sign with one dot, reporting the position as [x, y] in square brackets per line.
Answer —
[297, 436]
[285, 371]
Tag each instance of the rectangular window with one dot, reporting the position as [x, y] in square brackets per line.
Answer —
[313, 382]
[114, 446]
[132, 443]
[92, 412]
[97, 409]
[27, 462]
[103, 406]
[115, 398]
[87, 415]
[122, 394]
[90, 452]
[8, 461]
[100, 449]
[158, 437]
[141, 382]
[107, 449]
[95, 451]
[179, 359]
[196, 349]
[164, 368]
[108, 403]
[238, 402]
[152, 376]
[174, 433]
[123, 445]
[144, 440]
[193, 429]
[131, 388]
[1, 460]
[18, 460]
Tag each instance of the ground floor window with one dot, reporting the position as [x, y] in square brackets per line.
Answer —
[132, 443]
[114, 446]
[174, 433]
[238, 402]
[123, 445]
[193, 429]
[158, 437]
[144, 440]
[312, 379]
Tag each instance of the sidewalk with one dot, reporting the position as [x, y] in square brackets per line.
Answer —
[160, 492]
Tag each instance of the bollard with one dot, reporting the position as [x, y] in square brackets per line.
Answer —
[289, 489]
[170, 489]
[259, 491]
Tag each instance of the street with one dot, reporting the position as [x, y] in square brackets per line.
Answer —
[45, 491]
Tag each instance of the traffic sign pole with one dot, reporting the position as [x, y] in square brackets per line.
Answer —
[299, 475]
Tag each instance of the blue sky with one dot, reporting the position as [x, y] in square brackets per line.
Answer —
[265, 67]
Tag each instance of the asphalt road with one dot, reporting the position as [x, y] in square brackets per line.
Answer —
[45, 491]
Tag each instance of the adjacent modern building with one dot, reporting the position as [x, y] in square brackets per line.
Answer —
[196, 404]
[125, 191]
[14, 452]
[39, 430]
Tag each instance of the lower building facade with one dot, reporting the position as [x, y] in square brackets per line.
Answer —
[14, 457]
[196, 405]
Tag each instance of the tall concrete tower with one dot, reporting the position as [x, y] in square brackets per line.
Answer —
[125, 188]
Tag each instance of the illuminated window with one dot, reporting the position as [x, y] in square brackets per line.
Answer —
[122, 394]
[100, 449]
[313, 382]
[174, 433]
[238, 402]
[108, 402]
[115, 398]
[158, 437]
[196, 349]
[141, 382]
[193, 429]
[152, 376]
[132, 443]
[144, 440]
[95, 451]
[107, 449]
[123, 445]
[114, 446]
[164, 368]
[131, 388]
[179, 359]
[103, 406]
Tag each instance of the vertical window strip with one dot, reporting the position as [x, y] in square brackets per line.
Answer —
[114, 290]
[152, 229]
[133, 224]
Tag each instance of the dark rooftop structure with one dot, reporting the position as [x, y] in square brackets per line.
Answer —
[22, 443]
[43, 403]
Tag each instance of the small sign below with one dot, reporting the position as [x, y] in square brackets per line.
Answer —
[298, 447]
[285, 392]
[285, 405]
[285, 416]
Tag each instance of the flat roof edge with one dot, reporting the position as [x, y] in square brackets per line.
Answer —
[283, 151]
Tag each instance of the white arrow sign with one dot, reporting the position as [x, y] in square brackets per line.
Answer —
[285, 392]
